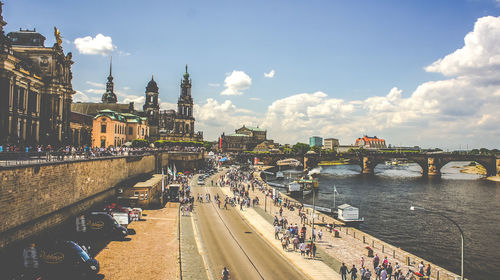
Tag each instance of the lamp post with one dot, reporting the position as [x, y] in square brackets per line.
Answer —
[413, 208]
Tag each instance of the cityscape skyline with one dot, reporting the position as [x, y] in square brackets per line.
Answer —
[267, 76]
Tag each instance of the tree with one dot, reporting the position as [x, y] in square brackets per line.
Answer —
[316, 149]
[300, 148]
[207, 145]
[139, 143]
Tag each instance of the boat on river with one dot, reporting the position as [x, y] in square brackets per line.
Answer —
[349, 214]
[397, 162]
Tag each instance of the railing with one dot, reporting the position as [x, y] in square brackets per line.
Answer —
[28, 158]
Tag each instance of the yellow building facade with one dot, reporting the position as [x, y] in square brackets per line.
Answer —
[111, 129]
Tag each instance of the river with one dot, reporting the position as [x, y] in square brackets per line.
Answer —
[384, 201]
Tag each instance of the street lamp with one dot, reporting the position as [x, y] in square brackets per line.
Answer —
[413, 208]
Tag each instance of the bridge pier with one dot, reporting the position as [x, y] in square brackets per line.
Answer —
[433, 167]
[368, 166]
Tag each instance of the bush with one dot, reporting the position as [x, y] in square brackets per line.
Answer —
[140, 143]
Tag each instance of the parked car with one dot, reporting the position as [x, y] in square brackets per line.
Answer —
[64, 260]
[100, 225]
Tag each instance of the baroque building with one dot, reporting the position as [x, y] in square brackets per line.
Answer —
[247, 138]
[177, 126]
[35, 89]
[151, 108]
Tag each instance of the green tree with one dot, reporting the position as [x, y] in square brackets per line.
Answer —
[139, 143]
[300, 148]
[207, 145]
[316, 149]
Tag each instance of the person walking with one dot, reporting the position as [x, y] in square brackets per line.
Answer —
[376, 261]
[367, 275]
[428, 271]
[389, 271]
[343, 271]
[354, 272]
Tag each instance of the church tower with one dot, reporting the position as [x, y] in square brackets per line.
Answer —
[184, 123]
[109, 96]
[151, 107]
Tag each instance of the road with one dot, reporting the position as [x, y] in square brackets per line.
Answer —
[229, 241]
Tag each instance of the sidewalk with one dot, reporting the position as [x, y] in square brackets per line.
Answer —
[192, 264]
[352, 243]
[315, 269]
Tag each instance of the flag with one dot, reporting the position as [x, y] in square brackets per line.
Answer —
[175, 173]
[169, 171]
[335, 190]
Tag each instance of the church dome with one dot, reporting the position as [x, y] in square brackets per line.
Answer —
[152, 86]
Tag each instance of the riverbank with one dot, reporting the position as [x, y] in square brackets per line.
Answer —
[494, 178]
[473, 169]
[352, 244]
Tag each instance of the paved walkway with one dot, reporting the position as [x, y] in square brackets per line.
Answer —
[352, 243]
[151, 253]
[315, 269]
[192, 264]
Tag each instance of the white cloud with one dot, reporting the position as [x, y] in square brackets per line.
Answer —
[479, 56]
[213, 85]
[122, 53]
[236, 82]
[100, 44]
[214, 117]
[457, 110]
[254, 98]
[168, 106]
[99, 85]
[270, 74]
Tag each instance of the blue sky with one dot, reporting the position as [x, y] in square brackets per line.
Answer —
[344, 57]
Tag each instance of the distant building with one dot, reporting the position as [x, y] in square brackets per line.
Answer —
[112, 129]
[370, 142]
[247, 138]
[81, 129]
[315, 141]
[345, 148]
[35, 89]
[330, 143]
[109, 101]
[178, 126]
[151, 108]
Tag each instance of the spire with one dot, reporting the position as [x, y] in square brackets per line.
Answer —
[109, 96]
[152, 77]
[111, 67]
[186, 75]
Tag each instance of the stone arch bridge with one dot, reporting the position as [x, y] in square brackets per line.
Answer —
[431, 163]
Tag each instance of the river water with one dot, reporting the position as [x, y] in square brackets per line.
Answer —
[384, 201]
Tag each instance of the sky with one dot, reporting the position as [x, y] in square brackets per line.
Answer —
[415, 73]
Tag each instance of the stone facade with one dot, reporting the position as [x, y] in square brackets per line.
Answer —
[42, 196]
[35, 89]
[81, 129]
[246, 138]
[30, 193]
[179, 126]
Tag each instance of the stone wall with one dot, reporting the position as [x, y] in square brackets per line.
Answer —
[34, 198]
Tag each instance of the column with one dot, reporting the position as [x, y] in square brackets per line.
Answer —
[434, 167]
[368, 167]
